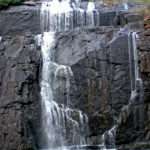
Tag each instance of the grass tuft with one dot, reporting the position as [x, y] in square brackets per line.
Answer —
[6, 3]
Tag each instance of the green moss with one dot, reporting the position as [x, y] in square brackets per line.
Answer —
[137, 146]
[5, 3]
[25, 147]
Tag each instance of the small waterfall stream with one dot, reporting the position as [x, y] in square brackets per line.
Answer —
[56, 117]
[136, 94]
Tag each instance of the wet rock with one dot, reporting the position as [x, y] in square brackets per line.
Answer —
[19, 93]
[135, 129]
[100, 85]
[133, 17]
[20, 19]
[145, 61]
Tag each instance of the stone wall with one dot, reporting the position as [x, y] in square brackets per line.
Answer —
[130, 134]
[19, 20]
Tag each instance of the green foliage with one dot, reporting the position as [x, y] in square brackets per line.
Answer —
[122, 1]
[25, 147]
[142, 1]
[5, 3]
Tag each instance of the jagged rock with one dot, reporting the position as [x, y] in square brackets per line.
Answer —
[19, 92]
[20, 19]
[131, 130]
[144, 66]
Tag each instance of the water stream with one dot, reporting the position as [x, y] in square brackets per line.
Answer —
[137, 91]
[60, 122]
[136, 97]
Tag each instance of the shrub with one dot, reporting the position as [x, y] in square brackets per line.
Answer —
[5, 3]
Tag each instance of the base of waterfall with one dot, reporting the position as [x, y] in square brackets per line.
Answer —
[81, 147]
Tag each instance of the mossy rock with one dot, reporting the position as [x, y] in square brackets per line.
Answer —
[136, 146]
[25, 147]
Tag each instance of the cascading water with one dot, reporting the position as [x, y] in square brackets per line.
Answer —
[136, 94]
[136, 82]
[58, 118]
[66, 15]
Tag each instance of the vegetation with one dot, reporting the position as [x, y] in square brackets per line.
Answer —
[112, 2]
[25, 147]
[5, 3]
[121, 1]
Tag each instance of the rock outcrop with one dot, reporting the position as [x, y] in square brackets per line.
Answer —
[19, 91]
[134, 133]
[101, 84]
[144, 52]
[20, 19]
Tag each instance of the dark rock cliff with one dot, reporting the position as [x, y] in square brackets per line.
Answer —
[144, 52]
[19, 91]
[101, 84]
[134, 134]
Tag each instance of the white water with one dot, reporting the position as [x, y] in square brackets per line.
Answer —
[136, 81]
[57, 117]
[63, 16]
[66, 15]
[136, 92]
[133, 62]
[58, 16]
[59, 120]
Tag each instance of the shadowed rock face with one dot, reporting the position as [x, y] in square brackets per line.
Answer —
[101, 84]
[144, 53]
[19, 91]
[133, 130]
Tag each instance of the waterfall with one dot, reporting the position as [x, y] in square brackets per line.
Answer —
[125, 4]
[136, 98]
[60, 122]
[57, 117]
[66, 15]
[136, 81]
[109, 138]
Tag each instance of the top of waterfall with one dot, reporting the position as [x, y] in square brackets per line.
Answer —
[59, 7]
[91, 6]
[126, 7]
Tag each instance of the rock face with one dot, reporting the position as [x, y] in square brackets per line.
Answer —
[134, 131]
[20, 19]
[19, 91]
[100, 86]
